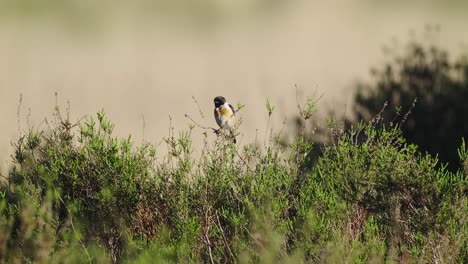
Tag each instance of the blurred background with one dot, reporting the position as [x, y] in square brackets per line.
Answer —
[143, 61]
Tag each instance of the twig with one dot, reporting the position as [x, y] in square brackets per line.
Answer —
[301, 111]
[224, 237]
[243, 160]
[378, 117]
[206, 238]
[7, 179]
[144, 125]
[266, 131]
[170, 125]
[73, 227]
[409, 111]
[18, 112]
[200, 126]
[198, 105]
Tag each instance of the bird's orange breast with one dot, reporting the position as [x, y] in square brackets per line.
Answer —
[223, 111]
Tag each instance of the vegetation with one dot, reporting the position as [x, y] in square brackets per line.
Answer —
[426, 73]
[76, 193]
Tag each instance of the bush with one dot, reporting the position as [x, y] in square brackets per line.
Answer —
[425, 73]
[76, 193]
[382, 177]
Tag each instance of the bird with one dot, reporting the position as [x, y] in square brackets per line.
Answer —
[225, 115]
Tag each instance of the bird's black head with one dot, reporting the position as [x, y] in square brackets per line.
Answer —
[219, 101]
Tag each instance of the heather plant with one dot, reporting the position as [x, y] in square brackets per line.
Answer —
[405, 193]
[76, 193]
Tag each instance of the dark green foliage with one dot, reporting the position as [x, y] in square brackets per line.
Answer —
[424, 72]
[78, 194]
[402, 190]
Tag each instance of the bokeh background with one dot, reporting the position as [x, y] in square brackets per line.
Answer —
[142, 61]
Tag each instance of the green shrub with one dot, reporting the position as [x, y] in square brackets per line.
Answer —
[76, 193]
[423, 71]
[382, 177]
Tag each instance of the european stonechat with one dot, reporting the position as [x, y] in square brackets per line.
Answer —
[225, 115]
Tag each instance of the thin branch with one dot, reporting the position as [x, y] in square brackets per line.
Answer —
[206, 237]
[200, 126]
[405, 117]
[224, 237]
[73, 227]
[18, 113]
[299, 108]
[266, 130]
[144, 125]
[207, 241]
[243, 160]
[198, 105]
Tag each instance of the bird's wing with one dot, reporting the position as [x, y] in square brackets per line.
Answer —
[232, 108]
